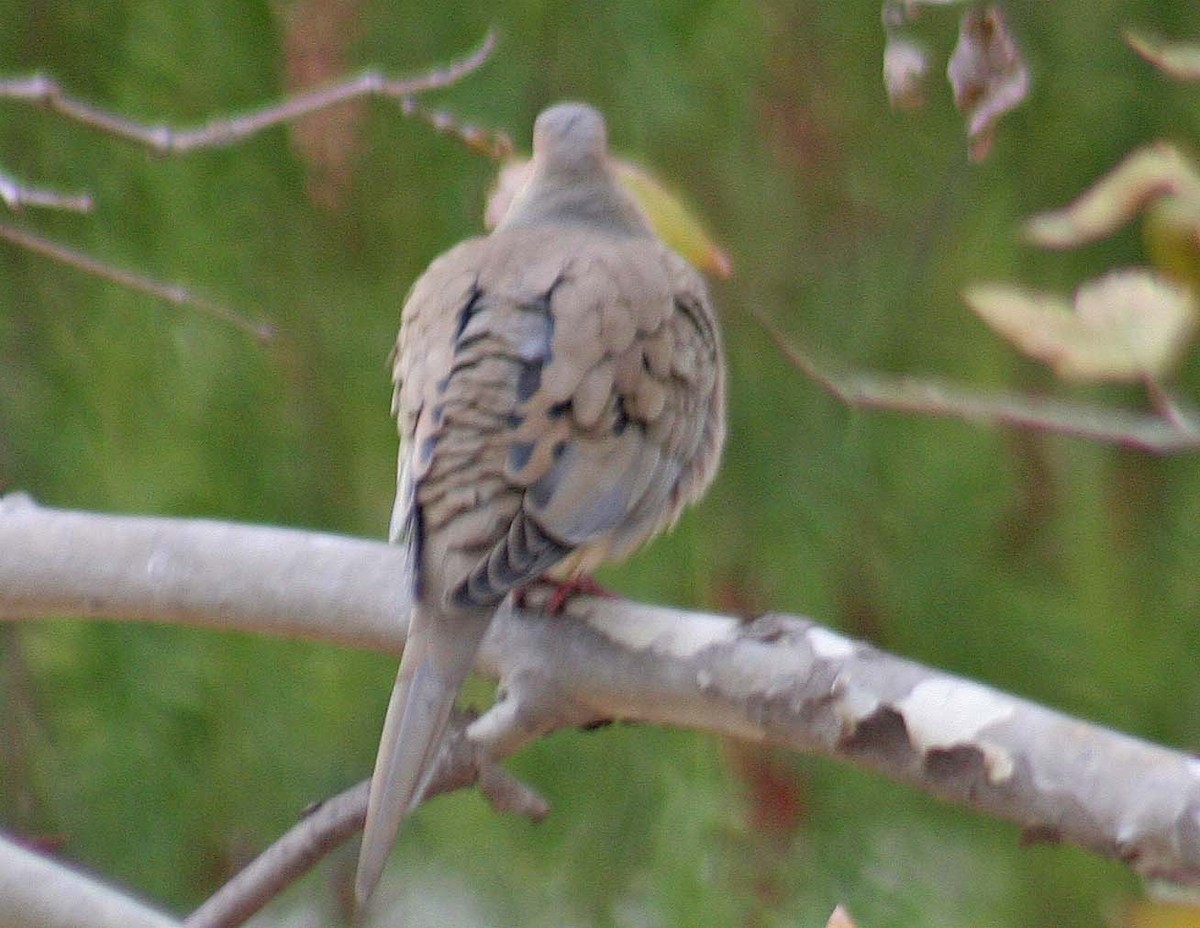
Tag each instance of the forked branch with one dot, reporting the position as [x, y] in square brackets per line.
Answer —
[779, 680]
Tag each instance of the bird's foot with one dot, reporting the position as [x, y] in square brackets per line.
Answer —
[562, 591]
[583, 585]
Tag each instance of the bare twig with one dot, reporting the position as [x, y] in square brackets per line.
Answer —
[45, 91]
[16, 196]
[333, 821]
[174, 294]
[216, 133]
[1166, 434]
[294, 854]
[1172, 409]
[491, 143]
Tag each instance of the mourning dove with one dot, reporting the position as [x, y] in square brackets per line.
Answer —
[559, 390]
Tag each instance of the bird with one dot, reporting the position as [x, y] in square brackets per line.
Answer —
[559, 390]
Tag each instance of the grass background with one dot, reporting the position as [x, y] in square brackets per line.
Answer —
[1052, 567]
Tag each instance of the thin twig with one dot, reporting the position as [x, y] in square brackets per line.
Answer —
[295, 853]
[1171, 408]
[45, 91]
[1157, 434]
[330, 823]
[495, 144]
[16, 196]
[172, 293]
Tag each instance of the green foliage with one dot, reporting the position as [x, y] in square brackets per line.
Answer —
[1048, 566]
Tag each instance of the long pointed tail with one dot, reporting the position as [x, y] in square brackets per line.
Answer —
[439, 654]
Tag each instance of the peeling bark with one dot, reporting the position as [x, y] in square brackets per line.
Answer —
[778, 679]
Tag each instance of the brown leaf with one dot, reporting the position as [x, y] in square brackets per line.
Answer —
[988, 75]
[905, 72]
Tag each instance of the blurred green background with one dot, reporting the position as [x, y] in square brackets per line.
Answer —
[1060, 570]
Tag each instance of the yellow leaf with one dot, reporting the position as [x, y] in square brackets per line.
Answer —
[673, 221]
[1171, 235]
[1127, 325]
[1150, 173]
[1149, 913]
[1180, 60]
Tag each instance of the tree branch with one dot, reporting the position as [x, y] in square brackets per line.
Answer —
[16, 196]
[1159, 434]
[36, 892]
[44, 91]
[778, 679]
[217, 133]
[171, 293]
[327, 825]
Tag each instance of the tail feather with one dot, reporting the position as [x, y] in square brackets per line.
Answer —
[439, 654]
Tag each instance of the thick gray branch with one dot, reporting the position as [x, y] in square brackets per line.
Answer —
[38, 893]
[779, 679]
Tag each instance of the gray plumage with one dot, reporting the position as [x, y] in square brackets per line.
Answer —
[560, 399]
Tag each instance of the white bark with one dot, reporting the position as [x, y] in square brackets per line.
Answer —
[36, 892]
[778, 679]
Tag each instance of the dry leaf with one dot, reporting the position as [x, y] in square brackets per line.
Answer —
[672, 219]
[905, 71]
[1180, 60]
[1154, 913]
[1171, 236]
[1127, 325]
[509, 180]
[840, 919]
[988, 75]
[1150, 173]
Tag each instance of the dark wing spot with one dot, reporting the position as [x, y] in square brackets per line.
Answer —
[539, 339]
[529, 380]
[689, 307]
[543, 301]
[523, 555]
[544, 488]
[414, 533]
[514, 421]
[425, 451]
[559, 409]
[621, 420]
[519, 454]
[465, 314]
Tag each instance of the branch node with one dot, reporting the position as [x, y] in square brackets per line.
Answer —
[505, 793]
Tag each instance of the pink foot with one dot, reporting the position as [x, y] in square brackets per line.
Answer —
[583, 585]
